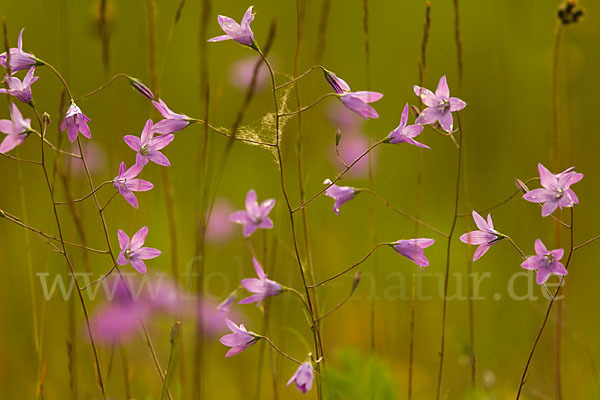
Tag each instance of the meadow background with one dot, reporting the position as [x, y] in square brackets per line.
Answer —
[508, 129]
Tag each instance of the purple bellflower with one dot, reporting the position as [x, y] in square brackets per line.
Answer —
[556, 191]
[16, 128]
[75, 121]
[127, 183]
[239, 340]
[303, 377]
[173, 122]
[413, 250]
[255, 215]
[261, 287]
[546, 262]
[405, 133]
[337, 84]
[340, 194]
[241, 33]
[359, 102]
[132, 251]
[21, 90]
[439, 105]
[19, 60]
[484, 237]
[148, 147]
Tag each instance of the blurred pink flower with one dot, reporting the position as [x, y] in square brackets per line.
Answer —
[352, 146]
[95, 158]
[303, 377]
[220, 229]
[242, 71]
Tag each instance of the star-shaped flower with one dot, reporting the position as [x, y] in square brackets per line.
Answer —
[132, 251]
[148, 147]
[255, 215]
[126, 183]
[556, 191]
[262, 287]
[439, 105]
[16, 128]
[21, 90]
[405, 133]
[546, 262]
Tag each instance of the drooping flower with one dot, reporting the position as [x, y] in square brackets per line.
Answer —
[255, 215]
[484, 237]
[75, 121]
[127, 183]
[546, 262]
[16, 128]
[19, 60]
[148, 147]
[405, 133]
[439, 105]
[241, 33]
[173, 122]
[413, 250]
[21, 90]
[132, 251]
[239, 340]
[340, 194]
[303, 377]
[141, 88]
[338, 84]
[263, 287]
[556, 191]
[358, 102]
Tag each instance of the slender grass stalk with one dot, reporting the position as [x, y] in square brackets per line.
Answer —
[547, 315]
[175, 340]
[419, 171]
[557, 230]
[447, 272]
[322, 31]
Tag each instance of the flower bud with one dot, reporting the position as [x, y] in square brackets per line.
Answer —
[356, 281]
[46, 118]
[175, 332]
[415, 111]
[338, 137]
[521, 186]
[141, 88]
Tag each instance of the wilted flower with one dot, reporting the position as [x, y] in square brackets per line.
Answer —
[546, 262]
[340, 194]
[21, 90]
[148, 147]
[338, 84]
[127, 183]
[262, 287]
[75, 121]
[16, 128]
[173, 122]
[303, 377]
[556, 190]
[240, 33]
[255, 215]
[404, 133]
[485, 237]
[19, 60]
[132, 251]
[439, 105]
[239, 340]
[358, 102]
[413, 250]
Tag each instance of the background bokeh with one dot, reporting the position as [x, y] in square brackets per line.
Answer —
[508, 130]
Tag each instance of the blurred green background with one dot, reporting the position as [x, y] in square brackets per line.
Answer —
[508, 130]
